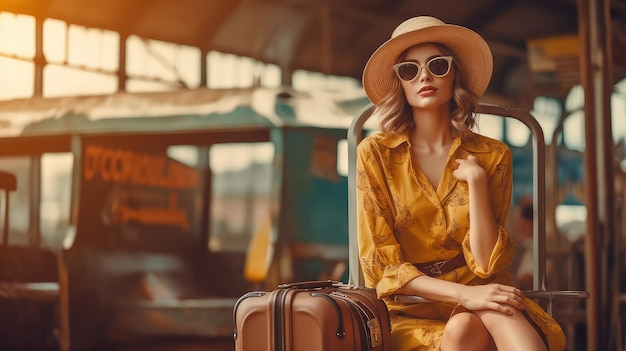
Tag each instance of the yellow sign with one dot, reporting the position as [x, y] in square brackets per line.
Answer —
[545, 53]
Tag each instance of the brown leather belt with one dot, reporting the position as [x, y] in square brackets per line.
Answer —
[439, 268]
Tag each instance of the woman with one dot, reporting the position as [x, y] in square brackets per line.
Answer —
[433, 198]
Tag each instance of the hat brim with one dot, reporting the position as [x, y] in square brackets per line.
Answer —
[470, 50]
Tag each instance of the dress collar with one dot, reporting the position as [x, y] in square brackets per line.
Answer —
[472, 144]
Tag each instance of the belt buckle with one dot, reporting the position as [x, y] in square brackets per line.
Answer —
[435, 268]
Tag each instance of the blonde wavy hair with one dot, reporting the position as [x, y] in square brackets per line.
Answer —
[395, 113]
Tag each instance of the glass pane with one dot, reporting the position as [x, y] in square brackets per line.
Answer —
[186, 154]
[19, 200]
[490, 126]
[56, 190]
[241, 176]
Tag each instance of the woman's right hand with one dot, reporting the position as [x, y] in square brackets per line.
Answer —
[497, 297]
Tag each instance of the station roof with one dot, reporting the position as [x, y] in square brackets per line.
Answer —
[338, 36]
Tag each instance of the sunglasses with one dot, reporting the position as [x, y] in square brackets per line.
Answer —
[437, 66]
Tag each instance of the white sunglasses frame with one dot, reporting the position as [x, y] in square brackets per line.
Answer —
[419, 68]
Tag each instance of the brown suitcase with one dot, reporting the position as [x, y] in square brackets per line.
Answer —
[312, 316]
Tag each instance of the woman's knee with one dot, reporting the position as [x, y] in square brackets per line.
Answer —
[512, 331]
[465, 329]
[493, 319]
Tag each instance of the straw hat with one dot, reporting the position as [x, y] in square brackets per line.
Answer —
[470, 50]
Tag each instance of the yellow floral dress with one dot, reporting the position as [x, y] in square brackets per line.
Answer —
[403, 220]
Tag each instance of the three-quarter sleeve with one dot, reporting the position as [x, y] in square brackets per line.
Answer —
[500, 185]
[379, 252]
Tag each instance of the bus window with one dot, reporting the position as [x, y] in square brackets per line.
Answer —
[574, 131]
[342, 157]
[517, 134]
[571, 219]
[490, 126]
[56, 190]
[19, 206]
[241, 175]
[186, 154]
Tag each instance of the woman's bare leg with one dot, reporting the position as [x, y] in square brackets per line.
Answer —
[511, 333]
[465, 331]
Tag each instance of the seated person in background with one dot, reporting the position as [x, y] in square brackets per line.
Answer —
[524, 230]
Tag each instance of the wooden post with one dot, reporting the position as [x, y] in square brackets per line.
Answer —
[122, 76]
[40, 58]
[595, 67]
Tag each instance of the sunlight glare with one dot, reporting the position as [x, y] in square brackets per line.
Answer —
[17, 35]
[54, 46]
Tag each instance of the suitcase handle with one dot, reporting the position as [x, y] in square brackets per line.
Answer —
[311, 284]
[239, 301]
[341, 330]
